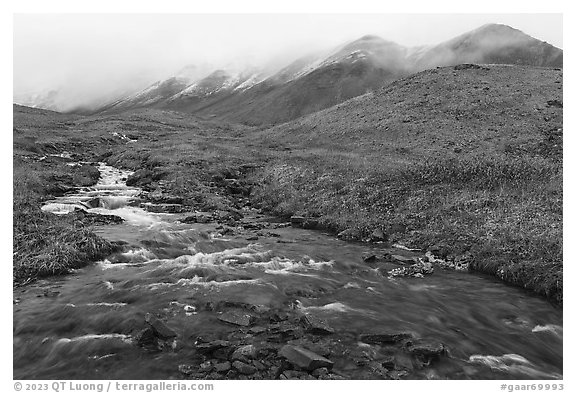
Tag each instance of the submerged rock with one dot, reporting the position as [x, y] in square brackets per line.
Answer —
[384, 337]
[303, 358]
[160, 329]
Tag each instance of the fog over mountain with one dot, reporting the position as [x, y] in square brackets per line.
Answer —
[68, 61]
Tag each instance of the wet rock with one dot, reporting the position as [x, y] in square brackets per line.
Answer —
[378, 236]
[238, 318]
[186, 369]
[303, 358]
[161, 198]
[146, 337]
[556, 103]
[245, 352]
[388, 362]
[293, 374]
[384, 337]
[209, 347]
[244, 368]
[401, 259]
[164, 208]
[320, 372]
[369, 257]
[59, 189]
[316, 325]
[206, 367]
[349, 234]
[259, 365]
[417, 270]
[200, 218]
[93, 218]
[297, 221]
[257, 330]
[222, 367]
[160, 329]
[252, 238]
[139, 178]
[426, 349]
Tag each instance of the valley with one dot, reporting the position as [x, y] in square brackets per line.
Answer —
[380, 234]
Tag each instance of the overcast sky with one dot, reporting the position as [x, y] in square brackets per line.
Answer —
[91, 55]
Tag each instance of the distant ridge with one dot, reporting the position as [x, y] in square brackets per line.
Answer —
[318, 81]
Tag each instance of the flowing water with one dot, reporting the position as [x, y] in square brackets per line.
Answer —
[83, 325]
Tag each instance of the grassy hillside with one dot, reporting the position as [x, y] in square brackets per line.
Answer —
[468, 158]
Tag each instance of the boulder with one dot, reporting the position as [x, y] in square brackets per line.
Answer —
[140, 178]
[427, 349]
[160, 329]
[245, 352]
[206, 348]
[244, 368]
[222, 367]
[378, 236]
[146, 337]
[303, 358]
[238, 318]
[316, 325]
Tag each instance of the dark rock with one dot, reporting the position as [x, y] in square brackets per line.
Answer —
[244, 368]
[439, 250]
[378, 236]
[206, 367]
[259, 365]
[257, 330]
[426, 349]
[416, 270]
[401, 259]
[59, 189]
[139, 178]
[316, 325]
[297, 221]
[293, 374]
[252, 238]
[222, 367]
[146, 337]
[237, 318]
[209, 347]
[303, 358]
[369, 257]
[349, 234]
[93, 203]
[164, 208]
[93, 218]
[245, 352]
[320, 372]
[159, 197]
[186, 369]
[388, 362]
[160, 329]
[384, 338]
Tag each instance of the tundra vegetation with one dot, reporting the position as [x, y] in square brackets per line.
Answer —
[468, 160]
